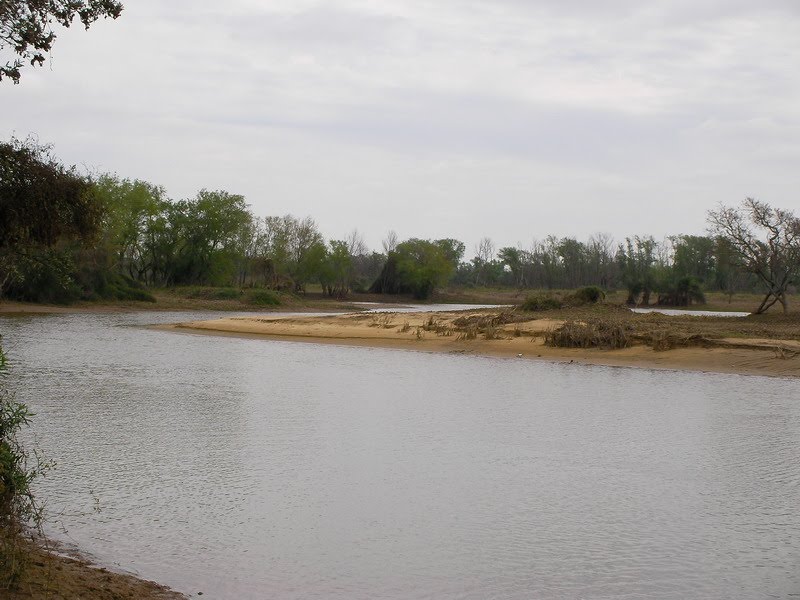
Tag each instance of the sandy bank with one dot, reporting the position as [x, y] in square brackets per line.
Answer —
[54, 576]
[524, 339]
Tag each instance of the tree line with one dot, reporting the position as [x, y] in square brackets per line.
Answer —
[65, 235]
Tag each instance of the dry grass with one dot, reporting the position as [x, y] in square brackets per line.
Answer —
[598, 334]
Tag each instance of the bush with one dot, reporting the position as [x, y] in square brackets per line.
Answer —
[588, 295]
[212, 293]
[43, 275]
[17, 503]
[538, 302]
[108, 286]
[682, 291]
[263, 298]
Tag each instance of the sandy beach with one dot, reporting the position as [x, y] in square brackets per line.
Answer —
[450, 332]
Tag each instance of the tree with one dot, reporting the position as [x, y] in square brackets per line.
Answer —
[764, 241]
[44, 208]
[636, 260]
[390, 242]
[513, 258]
[26, 27]
[453, 249]
[415, 267]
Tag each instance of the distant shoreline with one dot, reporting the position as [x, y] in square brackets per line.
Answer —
[521, 340]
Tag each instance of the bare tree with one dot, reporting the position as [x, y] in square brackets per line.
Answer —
[390, 242]
[764, 241]
[485, 250]
[356, 246]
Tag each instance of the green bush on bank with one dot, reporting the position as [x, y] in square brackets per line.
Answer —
[18, 506]
[213, 293]
[263, 298]
[539, 302]
[590, 294]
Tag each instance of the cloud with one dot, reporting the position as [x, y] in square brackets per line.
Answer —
[571, 116]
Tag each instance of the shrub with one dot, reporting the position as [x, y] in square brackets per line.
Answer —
[577, 334]
[213, 293]
[538, 302]
[119, 287]
[18, 506]
[588, 295]
[44, 275]
[263, 298]
[681, 291]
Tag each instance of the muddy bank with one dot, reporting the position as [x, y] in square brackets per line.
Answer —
[54, 576]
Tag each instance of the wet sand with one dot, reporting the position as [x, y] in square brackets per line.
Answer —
[520, 340]
[54, 576]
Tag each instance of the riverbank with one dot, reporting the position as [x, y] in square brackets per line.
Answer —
[55, 576]
[753, 346]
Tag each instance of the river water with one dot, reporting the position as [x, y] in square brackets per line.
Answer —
[247, 468]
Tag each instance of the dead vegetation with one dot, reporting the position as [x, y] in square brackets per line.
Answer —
[599, 334]
[611, 326]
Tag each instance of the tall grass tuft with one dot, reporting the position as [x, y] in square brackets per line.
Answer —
[263, 298]
[578, 334]
[539, 302]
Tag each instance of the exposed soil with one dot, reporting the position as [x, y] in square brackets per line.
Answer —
[50, 576]
[761, 345]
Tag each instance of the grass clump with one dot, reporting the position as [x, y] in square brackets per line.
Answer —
[213, 293]
[579, 334]
[539, 302]
[263, 298]
[590, 294]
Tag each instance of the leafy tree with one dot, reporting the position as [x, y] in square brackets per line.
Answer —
[211, 224]
[694, 256]
[764, 241]
[636, 260]
[132, 208]
[45, 211]
[41, 201]
[26, 27]
[335, 276]
[514, 259]
[415, 267]
[679, 290]
[453, 249]
[573, 260]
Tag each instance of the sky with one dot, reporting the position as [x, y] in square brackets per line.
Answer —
[508, 119]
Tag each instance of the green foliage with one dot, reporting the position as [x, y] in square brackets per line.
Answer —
[26, 27]
[42, 275]
[539, 302]
[213, 293]
[415, 267]
[636, 260]
[18, 505]
[263, 298]
[102, 284]
[588, 295]
[680, 291]
[41, 201]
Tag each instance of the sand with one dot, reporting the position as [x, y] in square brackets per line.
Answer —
[521, 340]
[54, 576]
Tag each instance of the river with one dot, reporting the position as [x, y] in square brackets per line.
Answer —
[247, 468]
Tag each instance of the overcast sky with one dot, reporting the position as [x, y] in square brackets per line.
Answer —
[512, 119]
